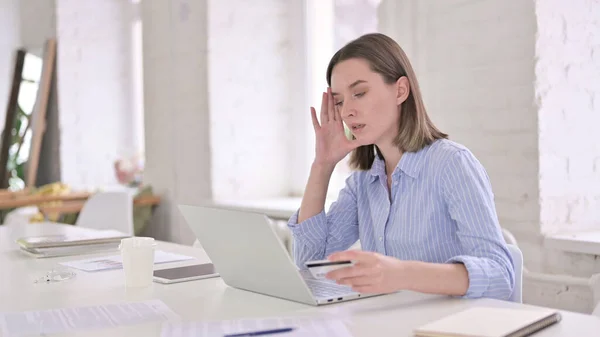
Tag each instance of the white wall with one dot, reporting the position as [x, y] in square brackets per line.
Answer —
[251, 52]
[23, 24]
[37, 24]
[475, 64]
[96, 76]
[9, 42]
[178, 160]
[568, 91]
[484, 66]
[99, 106]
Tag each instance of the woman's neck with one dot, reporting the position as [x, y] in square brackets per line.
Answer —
[391, 155]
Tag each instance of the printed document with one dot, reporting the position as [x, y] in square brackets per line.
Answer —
[301, 327]
[63, 320]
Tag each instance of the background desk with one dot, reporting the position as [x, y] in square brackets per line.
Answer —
[276, 208]
[392, 315]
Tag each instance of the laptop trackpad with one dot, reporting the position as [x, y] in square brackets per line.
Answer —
[323, 288]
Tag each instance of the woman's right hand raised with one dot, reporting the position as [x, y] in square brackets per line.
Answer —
[332, 145]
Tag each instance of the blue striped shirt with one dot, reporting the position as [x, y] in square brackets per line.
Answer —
[441, 210]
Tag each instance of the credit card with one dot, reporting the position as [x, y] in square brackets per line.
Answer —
[319, 268]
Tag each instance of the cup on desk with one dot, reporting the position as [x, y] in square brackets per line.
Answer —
[138, 261]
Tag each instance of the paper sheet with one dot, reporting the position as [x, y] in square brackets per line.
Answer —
[302, 327]
[31, 323]
[116, 261]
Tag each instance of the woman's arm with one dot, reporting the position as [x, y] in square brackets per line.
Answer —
[377, 273]
[320, 233]
[316, 234]
[468, 193]
[485, 269]
[313, 201]
[435, 278]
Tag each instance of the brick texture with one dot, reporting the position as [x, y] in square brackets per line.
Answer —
[475, 64]
[251, 97]
[568, 92]
[176, 116]
[95, 88]
[518, 82]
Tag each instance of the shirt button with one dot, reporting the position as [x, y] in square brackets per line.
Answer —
[381, 238]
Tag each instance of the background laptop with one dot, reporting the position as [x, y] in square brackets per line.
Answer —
[248, 255]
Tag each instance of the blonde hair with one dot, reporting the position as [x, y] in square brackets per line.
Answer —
[385, 57]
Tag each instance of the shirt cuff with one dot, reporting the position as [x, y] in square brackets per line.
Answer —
[311, 232]
[479, 280]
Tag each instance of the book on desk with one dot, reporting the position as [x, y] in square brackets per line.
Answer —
[491, 322]
[65, 245]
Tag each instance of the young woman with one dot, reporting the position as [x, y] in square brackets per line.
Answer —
[421, 205]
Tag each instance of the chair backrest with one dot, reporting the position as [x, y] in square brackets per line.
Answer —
[517, 256]
[595, 283]
[108, 210]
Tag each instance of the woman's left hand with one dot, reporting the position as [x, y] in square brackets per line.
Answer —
[371, 273]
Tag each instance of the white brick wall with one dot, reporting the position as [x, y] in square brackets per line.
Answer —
[95, 87]
[251, 97]
[475, 64]
[176, 111]
[568, 91]
[518, 82]
[9, 42]
[566, 296]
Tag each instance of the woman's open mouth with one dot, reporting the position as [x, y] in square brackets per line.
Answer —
[357, 127]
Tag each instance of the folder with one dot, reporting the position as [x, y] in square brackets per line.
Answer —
[53, 241]
[491, 322]
[72, 244]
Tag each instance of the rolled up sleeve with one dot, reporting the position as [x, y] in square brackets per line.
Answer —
[326, 232]
[470, 201]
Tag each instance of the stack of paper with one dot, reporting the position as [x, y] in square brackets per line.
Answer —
[292, 326]
[64, 320]
[64, 245]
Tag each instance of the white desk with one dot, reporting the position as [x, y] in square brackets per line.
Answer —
[275, 208]
[393, 315]
[578, 242]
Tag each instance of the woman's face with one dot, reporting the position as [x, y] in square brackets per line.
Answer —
[368, 106]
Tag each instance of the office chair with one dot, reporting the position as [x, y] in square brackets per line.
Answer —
[517, 256]
[108, 210]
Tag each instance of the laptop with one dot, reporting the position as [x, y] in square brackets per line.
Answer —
[249, 255]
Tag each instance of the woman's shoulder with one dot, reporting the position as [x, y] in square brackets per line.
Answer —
[444, 152]
[447, 146]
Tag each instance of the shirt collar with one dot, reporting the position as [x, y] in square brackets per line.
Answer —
[410, 164]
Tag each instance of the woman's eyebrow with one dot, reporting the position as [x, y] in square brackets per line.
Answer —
[355, 83]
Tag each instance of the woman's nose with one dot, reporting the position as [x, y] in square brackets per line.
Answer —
[347, 111]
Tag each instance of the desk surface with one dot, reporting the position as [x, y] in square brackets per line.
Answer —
[392, 315]
[276, 208]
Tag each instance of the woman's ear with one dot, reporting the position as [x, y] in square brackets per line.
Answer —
[403, 90]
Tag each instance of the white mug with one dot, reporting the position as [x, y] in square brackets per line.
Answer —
[138, 260]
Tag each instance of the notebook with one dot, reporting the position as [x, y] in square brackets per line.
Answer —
[490, 322]
[70, 250]
[51, 241]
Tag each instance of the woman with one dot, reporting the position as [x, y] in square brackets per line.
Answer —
[421, 205]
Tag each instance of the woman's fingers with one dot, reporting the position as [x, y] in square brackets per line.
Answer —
[358, 281]
[313, 115]
[338, 116]
[330, 106]
[324, 116]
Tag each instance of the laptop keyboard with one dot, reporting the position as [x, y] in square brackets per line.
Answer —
[325, 288]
